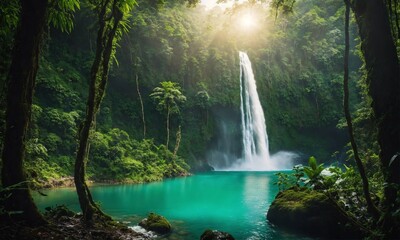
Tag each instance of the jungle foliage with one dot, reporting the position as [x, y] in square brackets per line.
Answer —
[192, 54]
[297, 61]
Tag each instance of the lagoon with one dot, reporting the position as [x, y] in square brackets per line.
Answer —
[235, 202]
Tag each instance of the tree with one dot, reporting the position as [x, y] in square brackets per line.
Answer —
[383, 80]
[203, 102]
[21, 82]
[136, 68]
[168, 98]
[20, 88]
[141, 105]
[112, 19]
[371, 207]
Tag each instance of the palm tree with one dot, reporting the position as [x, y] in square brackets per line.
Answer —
[168, 98]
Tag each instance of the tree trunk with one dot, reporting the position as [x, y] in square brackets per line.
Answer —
[168, 113]
[141, 105]
[80, 168]
[88, 209]
[383, 80]
[98, 83]
[21, 83]
[370, 205]
[178, 140]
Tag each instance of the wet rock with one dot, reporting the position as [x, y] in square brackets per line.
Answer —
[156, 223]
[216, 235]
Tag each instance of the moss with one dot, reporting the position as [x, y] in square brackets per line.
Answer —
[310, 212]
[293, 200]
[156, 223]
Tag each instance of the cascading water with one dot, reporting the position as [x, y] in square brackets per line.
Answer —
[254, 130]
[255, 154]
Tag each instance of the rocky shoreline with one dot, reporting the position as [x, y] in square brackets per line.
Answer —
[56, 183]
[65, 224]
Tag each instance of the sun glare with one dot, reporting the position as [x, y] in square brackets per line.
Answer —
[247, 21]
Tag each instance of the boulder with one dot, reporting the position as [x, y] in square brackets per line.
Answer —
[216, 235]
[156, 223]
[309, 212]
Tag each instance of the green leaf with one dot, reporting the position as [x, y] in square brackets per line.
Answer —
[312, 162]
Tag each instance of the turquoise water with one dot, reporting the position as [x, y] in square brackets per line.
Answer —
[235, 202]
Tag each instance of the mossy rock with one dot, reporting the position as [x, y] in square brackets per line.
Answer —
[156, 223]
[216, 235]
[309, 212]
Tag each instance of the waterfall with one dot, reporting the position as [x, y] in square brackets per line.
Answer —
[255, 153]
[254, 130]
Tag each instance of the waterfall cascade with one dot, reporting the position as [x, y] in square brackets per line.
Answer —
[255, 153]
[254, 131]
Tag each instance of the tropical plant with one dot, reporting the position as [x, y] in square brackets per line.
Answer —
[293, 180]
[313, 171]
[168, 98]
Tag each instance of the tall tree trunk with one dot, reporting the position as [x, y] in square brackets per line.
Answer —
[87, 207]
[370, 205]
[21, 83]
[98, 83]
[141, 105]
[383, 81]
[168, 113]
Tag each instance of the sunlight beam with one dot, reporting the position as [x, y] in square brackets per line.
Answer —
[247, 21]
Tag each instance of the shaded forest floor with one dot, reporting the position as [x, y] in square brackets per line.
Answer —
[64, 224]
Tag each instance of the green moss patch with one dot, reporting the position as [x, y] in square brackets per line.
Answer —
[156, 223]
[309, 212]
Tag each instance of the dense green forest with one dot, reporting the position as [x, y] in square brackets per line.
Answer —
[139, 91]
[300, 87]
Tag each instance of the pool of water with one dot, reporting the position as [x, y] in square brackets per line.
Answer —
[235, 202]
